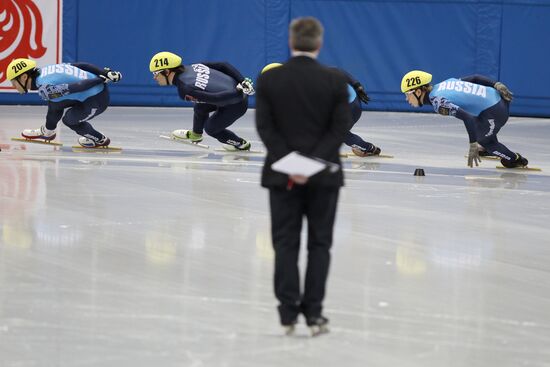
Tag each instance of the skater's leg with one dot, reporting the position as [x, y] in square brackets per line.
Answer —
[77, 116]
[489, 124]
[201, 112]
[356, 111]
[358, 146]
[216, 125]
[47, 131]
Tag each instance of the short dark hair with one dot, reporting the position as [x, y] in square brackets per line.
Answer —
[33, 73]
[306, 34]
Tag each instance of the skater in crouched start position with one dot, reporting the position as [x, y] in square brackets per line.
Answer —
[357, 94]
[482, 104]
[78, 88]
[214, 87]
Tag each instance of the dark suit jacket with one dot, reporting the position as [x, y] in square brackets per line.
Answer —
[302, 106]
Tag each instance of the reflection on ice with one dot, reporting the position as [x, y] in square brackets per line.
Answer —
[161, 254]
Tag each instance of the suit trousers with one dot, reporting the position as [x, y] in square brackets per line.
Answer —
[288, 208]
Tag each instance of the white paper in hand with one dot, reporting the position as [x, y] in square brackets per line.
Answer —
[296, 164]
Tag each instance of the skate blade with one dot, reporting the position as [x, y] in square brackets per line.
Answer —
[80, 148]
[521, 168]
[487, 157]
[38, 141]
[352, 155]
[318, 330]
[204, 146]
[251, 151]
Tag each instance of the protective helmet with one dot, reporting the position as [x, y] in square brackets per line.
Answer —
[19, 67]
[414, 79]
[164, 60]
[271, 66]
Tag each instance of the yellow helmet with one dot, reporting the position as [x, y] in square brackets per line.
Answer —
[164, 60]
[271, 66]
[19, 67]
[414, 79]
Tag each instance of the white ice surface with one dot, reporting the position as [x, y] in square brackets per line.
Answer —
[161, 256]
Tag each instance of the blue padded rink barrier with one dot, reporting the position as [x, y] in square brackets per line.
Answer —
[160, 255]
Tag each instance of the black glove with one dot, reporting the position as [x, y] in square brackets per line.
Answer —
[111, 76]
[504, 91]
[361, 93]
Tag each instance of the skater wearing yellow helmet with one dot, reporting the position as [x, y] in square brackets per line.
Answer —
[219, 91]
[481, 103]
[75, 93]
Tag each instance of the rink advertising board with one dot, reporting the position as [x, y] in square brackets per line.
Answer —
[29, 29]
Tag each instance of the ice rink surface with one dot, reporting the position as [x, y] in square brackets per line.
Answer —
[160, 255]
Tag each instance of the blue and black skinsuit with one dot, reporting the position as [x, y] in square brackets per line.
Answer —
[480, 106]
[79, 89]
[212, 85]
[354, 140]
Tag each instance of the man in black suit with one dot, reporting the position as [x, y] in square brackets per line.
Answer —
[302, 106]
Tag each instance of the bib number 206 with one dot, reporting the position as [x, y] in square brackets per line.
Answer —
[19, 66]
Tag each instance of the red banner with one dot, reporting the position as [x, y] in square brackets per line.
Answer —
[29, 29]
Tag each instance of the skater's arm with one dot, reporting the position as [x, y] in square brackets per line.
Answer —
[90, 68]
[84, 85]
[48, 92]
[469, 123]
[500, 87]
[267, 129]
[349, 78]
[356, 85]
[106, 74]
[228, 95]
[217, 98]
[227, 69]
[479, 79]
[444, 107]
[339, 124]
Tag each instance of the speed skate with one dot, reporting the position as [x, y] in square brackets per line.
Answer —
[521, 168]
[108, 148]
[237, 151]
[183, 141]
[352, 155]
[487, 157]
[39, 141]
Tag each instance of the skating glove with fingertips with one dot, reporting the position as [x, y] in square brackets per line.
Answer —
[504, 91]
[473, 155]
[246, 86]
